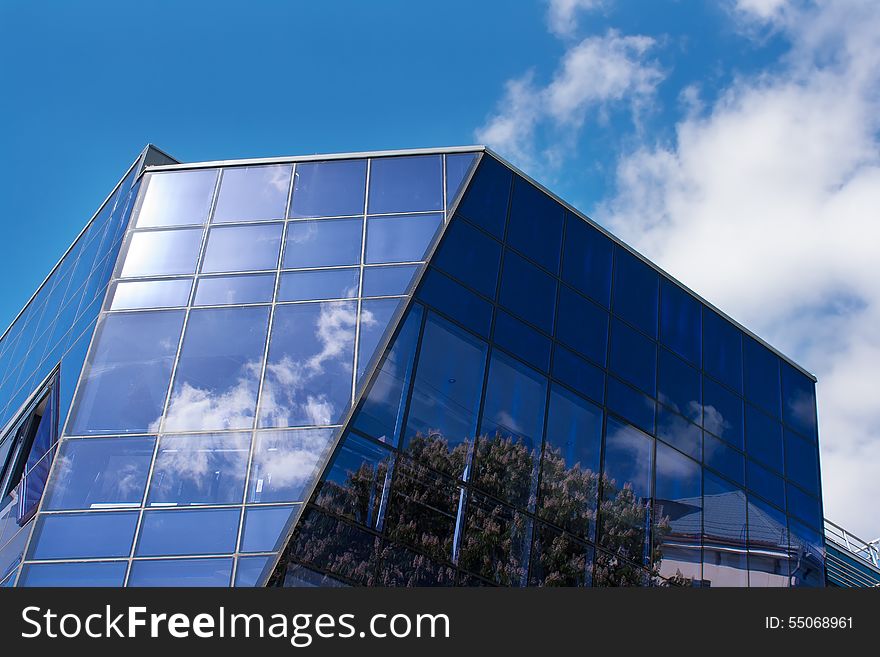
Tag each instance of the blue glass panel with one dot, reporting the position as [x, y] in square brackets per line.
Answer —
[329, 189]
[285, 463]
[680, 325]
[227, 290]
[249, 570]
[570, 467]
[808, 546]
[763, 438]
[798, 401]
[626, 491]
[535, 225]
[242, 248]
[582, 325]
[486, 199]
[157, 253]
[319, 284]
[722, 349]
[724, 533]
[388, 281]
[324, 243]
[126, 295]
[457, 167]
[806, 507]
[801, 462]
[528, 292]
[189, 531]
[678, 510]
[518, 338]
[471, 256]
[578, 373]
[586, 260]
[509, 446]
[761, 368]
[558, 560]
[496, 542]
[98, 573]
[200, 469]
[381, 414]
[674, 430]
[766, 484]
[400, 238]
[218, 370]
[633, 356]
[83, 535]
[252, 193]
[311, 358]
[176, 198]
[100, 473]
[181, 572]
[678, 386]
[446, 394]
[630, 404]
[447, 296]
[769, 554]
[263, 527]
[406, 184]
[722, 413]
[124, 384]
[635, 291]
[721, 457]
[376, 314]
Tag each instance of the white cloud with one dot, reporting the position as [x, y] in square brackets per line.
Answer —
[562, 14]
[766, 203]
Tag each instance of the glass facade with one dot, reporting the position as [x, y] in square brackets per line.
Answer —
[406, 370]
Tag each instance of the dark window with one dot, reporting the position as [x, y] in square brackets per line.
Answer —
[761, 368]
[724, 533]
[722, 349]
[721, 457]
[471, 256]
[633, 357]
[520, 339]
[680, 327]
[559, 560]
[675, 430]
[496, 542]
[766, 484]
[635, 291]
[722, 412]
[586, 260]
[535, 225]
[802, 462]
[486, 199]
[763, 438]
[630, 404]
[678, 387]
[678, 511]
[806, 507]
[528, 292]
[450, 298]
[582, 325]
[578, 373]
[769, 556]
[798, 401]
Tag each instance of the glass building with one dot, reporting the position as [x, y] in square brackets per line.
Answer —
[411, 368]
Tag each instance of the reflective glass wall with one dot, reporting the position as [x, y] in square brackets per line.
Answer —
[41, 355]
[245, 307]
[553, 411]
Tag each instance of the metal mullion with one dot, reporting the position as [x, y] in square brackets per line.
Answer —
[359, 305]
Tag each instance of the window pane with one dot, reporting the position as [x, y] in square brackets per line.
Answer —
[218, 371]
[722, 413]
[678, 386]
[764, 438]
[678, 507]
[189, 531]
[406, 184]
[285, 463]
[181, 572]
[446, 396]
[400, 238]
[509, 446]
[802, 462]
[798, 401]
[376, 314]
[674, 430]
[769, 555]
[99, 573]
[626, 491]
[200, 469]
[487, 197]
[766, 484]
[176, 198]
[83, 535]
[528, 292]
[809, 544]
[150, 294]
[156, 253]
[578, 373]
[582, 325]
[722, 349]
[630, 404]
[570, 470]
[680, 328]
[249, 570]
[263, 527]
[334, 546]
[720, 456]
[457, 167]
[323, 243]
[124, 384]
[559, 560]
[100, 473]
[633, 356]
[470, 256]
[329, 189]
[387, 281]
[535, 225]
[586, 262]
[761, 371]
[319, 284]
[518, 338]
[227, 290]
[724, 533]
[803, 506]
[635, 291]
[447, 296]
[250, 193]
[309, 372]
[497, 541]
[242, 248]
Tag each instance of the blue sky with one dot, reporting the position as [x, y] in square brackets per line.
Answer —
[734, 142]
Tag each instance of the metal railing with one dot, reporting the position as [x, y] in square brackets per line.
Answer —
[866, 550]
